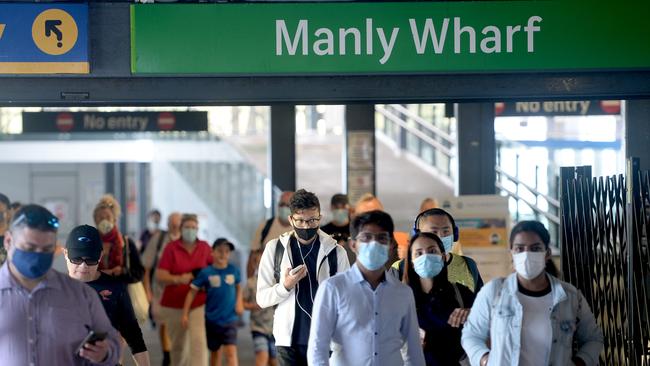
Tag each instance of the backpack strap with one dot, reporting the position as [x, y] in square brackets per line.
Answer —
[265, 231]
[332, 261]
[279, 252]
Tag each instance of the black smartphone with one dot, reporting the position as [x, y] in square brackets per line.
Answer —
[91, 338]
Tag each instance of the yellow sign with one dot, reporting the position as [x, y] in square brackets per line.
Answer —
[2, 29]
[54, 32]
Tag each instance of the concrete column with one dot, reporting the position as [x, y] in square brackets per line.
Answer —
[282, 147]
[637, 131]
[360, 157]
[476, 148]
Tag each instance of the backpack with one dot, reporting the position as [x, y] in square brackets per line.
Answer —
[332, 261]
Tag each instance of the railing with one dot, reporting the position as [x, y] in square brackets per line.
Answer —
[418, 136]
[541, 206]
[437, 148]
[234, 191]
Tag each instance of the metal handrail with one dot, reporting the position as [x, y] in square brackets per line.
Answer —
[552, 201]
[553, 218]
[445, 150]
[424, 123]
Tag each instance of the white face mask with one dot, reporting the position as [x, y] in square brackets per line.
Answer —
[105, 227]
[529, 265]
[152, 226]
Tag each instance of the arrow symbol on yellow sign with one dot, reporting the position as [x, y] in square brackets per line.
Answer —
[2, 29]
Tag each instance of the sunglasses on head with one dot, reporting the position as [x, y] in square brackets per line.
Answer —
[88, 261]
[37, 218]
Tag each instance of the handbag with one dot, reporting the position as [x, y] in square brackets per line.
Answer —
[136, 290]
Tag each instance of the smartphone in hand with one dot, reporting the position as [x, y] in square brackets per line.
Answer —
[91, 338]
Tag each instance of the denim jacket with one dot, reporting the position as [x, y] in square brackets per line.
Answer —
[497, 315]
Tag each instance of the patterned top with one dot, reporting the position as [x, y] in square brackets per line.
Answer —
[458, 272]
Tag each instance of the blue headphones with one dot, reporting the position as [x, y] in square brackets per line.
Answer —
[434, 212]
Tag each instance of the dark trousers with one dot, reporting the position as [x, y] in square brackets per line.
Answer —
[292, 356]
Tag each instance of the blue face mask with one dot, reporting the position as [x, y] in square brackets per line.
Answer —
[372, 255]
[448, 243]
[428, 265]
[284, 212]
[32, 265]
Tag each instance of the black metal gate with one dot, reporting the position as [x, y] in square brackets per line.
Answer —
[605, 230]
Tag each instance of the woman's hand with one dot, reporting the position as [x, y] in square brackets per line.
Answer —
[458, 317]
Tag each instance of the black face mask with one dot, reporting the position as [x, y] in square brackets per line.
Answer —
[306, 234]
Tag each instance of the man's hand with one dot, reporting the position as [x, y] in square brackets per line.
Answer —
[458, 317]
[95, 353]
[290, 280]
[185, 320]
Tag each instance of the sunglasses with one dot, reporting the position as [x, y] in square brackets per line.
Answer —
[88, 261]
[36, 219]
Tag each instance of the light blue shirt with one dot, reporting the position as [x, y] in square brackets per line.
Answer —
[364, 326]
[497, 315]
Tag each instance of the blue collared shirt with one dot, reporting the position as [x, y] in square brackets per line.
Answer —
[364, 326]
[45, 326]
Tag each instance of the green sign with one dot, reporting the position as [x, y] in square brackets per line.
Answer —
[418, 37]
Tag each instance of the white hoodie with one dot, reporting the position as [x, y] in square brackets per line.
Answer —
[270, 293]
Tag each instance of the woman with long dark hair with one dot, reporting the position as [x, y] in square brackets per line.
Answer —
[442, 306]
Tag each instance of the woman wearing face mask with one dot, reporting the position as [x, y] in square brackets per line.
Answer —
[531, 317]
[442, 307]
[181, 261]
[106, 214]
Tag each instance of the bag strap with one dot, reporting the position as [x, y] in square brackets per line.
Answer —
[459, 298]
[127, 250]
[265, 231]
[279, 252]
[160, 240]
[332, 261]
[158, 246]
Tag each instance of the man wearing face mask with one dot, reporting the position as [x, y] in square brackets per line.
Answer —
[531, 317]
[275, 226]
[461, 269]
[366, 315]
[339, 227]
[45, 314]
[5, 214]
[290, 271]
[153, 228]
